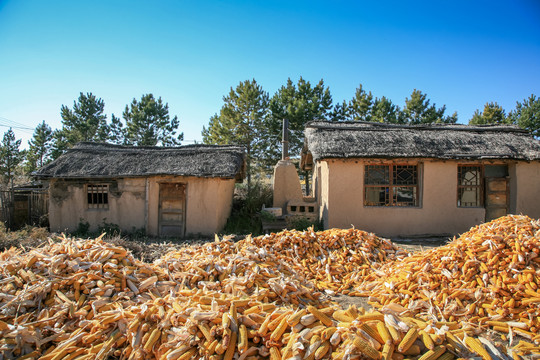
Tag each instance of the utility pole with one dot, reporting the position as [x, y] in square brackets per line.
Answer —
[285, 140]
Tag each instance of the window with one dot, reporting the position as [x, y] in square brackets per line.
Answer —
[469, 186]
[391, 185]
[98, 196]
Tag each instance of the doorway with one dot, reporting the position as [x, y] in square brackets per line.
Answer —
[496, 191]
[172, 204]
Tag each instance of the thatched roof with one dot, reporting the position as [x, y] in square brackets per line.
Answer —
[99, 160]
[378, 140]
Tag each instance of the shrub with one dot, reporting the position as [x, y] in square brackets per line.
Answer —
[245, 214]
[302, 223]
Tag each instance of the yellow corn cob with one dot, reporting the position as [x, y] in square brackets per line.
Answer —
[233, 311]
[205, 330]
[341, 315]
[395, 334]
[225, 321]
[437, 339]
[372, 332]
[264, 326]
[413, 350]
[328, 332]
[188, 354]
[434, 353]
[476, 347]
[497, 323]
[322, 350]
[315, 338]
[427, 340]
[220, 349]
[229, 353]
[279, 330]
[320, 315]
[352, 311]
[383, 332]
[371, 316]
[446, 356]
[388, 350]
[274, 353]
[272, 325]
[241, 303]
[288, 350]
[243, 338]
[154, 336]
[211, 349]
[366, 349]
[409, 338]
[295, 318]
[453, 341]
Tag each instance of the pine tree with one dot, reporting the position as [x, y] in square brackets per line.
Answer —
[117, 132]
[418, 111]
[527, 115]
[148, 123]
[300, 104]
[241, 122]
[361, 105]
[85, 122]
[493, 114]
[384, 111]
[39, 147]
[341, 112]
[10, 156]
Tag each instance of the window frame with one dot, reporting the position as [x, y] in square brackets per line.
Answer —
[479, 187]
[97, 203]
[391, 185]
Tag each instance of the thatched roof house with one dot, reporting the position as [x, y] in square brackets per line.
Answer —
[421, 179]
[87, 160]
[168, 191]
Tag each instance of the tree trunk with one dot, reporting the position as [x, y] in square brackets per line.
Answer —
[248, 168]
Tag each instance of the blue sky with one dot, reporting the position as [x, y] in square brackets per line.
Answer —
[460, 53]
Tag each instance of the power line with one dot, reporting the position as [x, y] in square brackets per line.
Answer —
[5, 122]
[15, 123]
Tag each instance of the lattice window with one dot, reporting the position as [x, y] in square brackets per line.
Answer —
[470, 186]
[391, 185]
[97, 196]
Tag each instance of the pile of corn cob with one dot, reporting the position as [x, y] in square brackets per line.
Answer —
[89, 300]
[86, 299]
[240, 269]
[334, 259]
[285, 266]
[489, 276]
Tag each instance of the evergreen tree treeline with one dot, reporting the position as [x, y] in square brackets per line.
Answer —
[249, 117]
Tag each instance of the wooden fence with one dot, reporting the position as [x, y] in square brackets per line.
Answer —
[24, 206]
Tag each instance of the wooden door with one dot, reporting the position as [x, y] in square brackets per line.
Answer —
[496, 197]
[172, 203]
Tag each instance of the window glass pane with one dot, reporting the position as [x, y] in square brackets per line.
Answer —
[469, 197]
[405, 196]
[377, 175]
[377, 196]
[496, 170]
[405, 175]
[469, 175]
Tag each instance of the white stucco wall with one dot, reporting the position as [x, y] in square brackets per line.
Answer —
[341, 199]
[208, 203]
[527, 183]
[68, 205]
[133, 204]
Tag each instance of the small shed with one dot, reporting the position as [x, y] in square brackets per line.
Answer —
[402, 180]
[165, 191]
